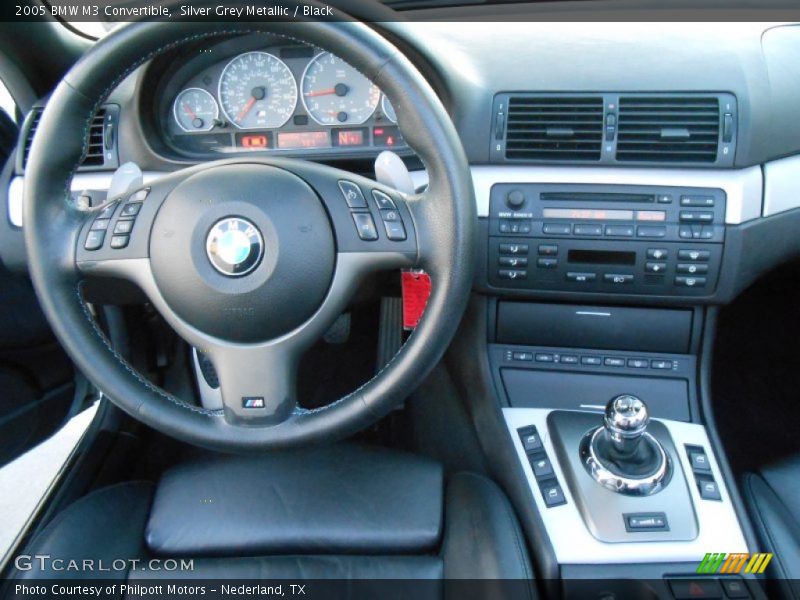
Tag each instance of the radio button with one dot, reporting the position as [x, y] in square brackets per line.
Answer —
[660, 364]
[548, 249]
[587, 230]
[690, 281]
[692, 269]
[513, 248]
[591, 360]
[617, 278]
[512, 261]
[512, 274]
[620, 230]
[613, 361]
[698, 201]
[696, 216]
[556, 229]
[685, 232]
[547, 263]
[694, 255]
[657, 253]
[655, 267]
[569, 359]
[638, 363]
[664, 199]
[581, 277]
[651, 231]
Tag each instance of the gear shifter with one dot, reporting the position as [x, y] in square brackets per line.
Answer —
[621, 455]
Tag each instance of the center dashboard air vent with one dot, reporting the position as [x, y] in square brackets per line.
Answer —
[557, 128]
[612, 128]
[101, 143]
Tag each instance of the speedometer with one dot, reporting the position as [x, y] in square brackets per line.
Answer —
[257, 91]
[334, 92]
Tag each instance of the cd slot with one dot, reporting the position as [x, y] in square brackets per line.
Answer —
[596, 197]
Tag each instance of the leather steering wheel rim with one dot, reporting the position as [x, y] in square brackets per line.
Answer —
[444, 219]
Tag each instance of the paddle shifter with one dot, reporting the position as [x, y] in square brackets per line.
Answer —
[621, 455]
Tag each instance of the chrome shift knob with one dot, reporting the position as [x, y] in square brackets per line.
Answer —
[625, 421]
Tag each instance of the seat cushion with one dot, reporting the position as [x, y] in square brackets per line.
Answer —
[773, 496]
[342, 499]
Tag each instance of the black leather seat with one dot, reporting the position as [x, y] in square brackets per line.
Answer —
[341, 512]
[773, 496]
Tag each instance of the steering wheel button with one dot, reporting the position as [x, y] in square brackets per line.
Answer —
[94, 240]
[123, 226]
[352, 194]
[366, 227]
[108, 211]
[140, 195]
[131, 209]
[100, 225]
[395, 230]
[383, 201]
[119, 241]
[390, 215]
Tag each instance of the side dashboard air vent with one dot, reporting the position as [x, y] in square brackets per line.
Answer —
[554, 128]
[684, 129]
[101, 151]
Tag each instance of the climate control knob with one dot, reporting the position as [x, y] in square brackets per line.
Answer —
[515, 199]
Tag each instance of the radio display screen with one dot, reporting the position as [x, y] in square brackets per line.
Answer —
[601, 257]
[600, 214]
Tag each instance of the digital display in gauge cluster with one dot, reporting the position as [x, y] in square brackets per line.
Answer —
[282, 98]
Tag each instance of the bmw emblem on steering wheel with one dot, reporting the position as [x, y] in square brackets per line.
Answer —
[234, 246]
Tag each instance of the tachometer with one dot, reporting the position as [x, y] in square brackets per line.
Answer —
[257, 91]
[334, 92]
[195, 110]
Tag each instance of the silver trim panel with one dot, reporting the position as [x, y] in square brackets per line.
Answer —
[743, 187]
[574, 544]
[781, 185]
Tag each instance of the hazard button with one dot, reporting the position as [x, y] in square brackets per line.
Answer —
[686, 589]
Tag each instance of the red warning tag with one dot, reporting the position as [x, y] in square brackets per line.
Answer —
[416, 291]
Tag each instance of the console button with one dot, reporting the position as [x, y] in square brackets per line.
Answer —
[395, 230]
[709, 490]
[645, 521]
[94, 240]
[697, 201]
[617, 278]
[685, 232]
[591, 360]
[547, 263]
[569, 359]
[655, 267]
[651, 231]
[699, 462]
[660, 364]
[735, 588]
[553, 495]
[531, 441]
[556, 229]
[542, 468]
[546, 358]
[692, 589]
[383, 201]
[692, 269]
[100, 225]
[614, 361]
[131, 209]
[581, 277]
[365, 226]
[548, 249]
[512, 274]
[638, 363]
[657, 253]
[694, 255]
[664, 198]
[522, 356]
[123, 227]
[620, 230]
[352, 194]
[513, 248]
[587, 230]
[512, 261]
[696, 216]
[690, 281]
[119, 241]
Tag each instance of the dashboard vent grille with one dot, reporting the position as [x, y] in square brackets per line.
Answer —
[554, 128]
[33, 123]
[668, 129]
[95, 154]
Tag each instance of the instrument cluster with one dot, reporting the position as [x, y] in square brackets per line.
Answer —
[276, 99]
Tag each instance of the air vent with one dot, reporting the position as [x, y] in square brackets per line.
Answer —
[97, 155]
[681, 129]
[554, 128]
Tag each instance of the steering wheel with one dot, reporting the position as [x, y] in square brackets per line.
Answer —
[250, 260]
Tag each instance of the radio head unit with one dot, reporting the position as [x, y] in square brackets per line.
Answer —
[605, 238]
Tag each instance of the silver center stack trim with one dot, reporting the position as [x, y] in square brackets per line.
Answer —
[718, 526]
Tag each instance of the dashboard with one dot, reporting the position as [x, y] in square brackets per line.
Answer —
[260, 94]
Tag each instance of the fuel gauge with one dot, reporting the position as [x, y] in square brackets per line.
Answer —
[195, 110]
